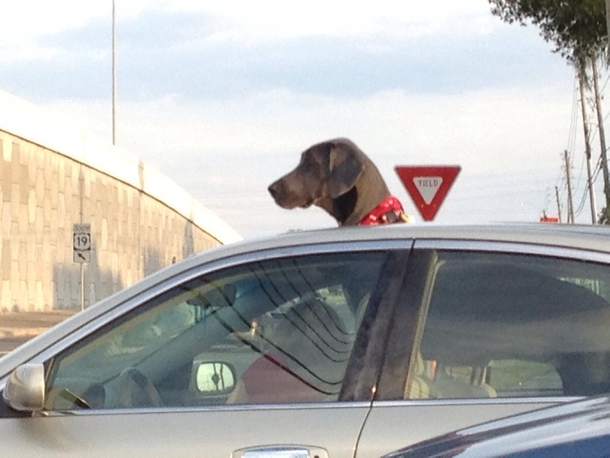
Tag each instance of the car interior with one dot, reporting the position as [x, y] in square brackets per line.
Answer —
[513, 326]
[178, 349]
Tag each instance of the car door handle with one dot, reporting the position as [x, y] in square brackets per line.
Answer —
[285, 451]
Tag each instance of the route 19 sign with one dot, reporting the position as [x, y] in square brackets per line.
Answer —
[81, 242]
[428, 186]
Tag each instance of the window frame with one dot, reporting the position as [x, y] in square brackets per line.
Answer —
[404, 337]
[150, 294]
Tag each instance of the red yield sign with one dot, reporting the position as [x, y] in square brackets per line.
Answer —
[428, 186]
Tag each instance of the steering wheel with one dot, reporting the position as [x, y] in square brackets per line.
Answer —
[136, 390]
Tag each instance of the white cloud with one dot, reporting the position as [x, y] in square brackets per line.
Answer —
[342, 14]
[271, 19]
[25, 21]
[47, 17]
[247, 20]
[481, 129]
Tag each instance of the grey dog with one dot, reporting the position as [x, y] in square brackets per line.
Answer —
[338, 177]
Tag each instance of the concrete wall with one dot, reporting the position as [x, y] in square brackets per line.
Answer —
[51, 178]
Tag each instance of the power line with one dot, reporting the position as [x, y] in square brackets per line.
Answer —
[584, 195]
[574, 118]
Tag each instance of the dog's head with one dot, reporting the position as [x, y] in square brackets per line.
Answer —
[328, 176]
[326, 170]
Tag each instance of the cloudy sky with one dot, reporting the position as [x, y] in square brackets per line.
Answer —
[224, 96]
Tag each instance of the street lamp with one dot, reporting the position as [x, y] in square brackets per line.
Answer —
[113, 76]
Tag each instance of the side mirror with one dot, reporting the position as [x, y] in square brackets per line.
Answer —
[25, 389]
[215, 378]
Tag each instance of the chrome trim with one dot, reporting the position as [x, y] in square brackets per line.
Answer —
[579, 254]
[202, 269]
[281, 451]
[214, 408]
[476, 401]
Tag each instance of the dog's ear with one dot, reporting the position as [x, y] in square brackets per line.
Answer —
[346, 166]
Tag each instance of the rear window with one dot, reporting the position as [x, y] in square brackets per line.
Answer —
[500, 325]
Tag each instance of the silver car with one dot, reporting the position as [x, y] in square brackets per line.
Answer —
[335, 343]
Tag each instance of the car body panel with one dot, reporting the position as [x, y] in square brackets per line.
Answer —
[189, 431]
[184, 433]
[420, 420]
[342, 429]
[577, 429]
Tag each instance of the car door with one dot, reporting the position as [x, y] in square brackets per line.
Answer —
[275, 353]
[486, 330]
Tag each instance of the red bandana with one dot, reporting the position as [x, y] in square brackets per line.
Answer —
[388, 211]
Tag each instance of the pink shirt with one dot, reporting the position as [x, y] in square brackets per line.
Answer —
[267, 380]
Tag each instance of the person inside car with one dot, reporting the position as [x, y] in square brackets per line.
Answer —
[308, 351]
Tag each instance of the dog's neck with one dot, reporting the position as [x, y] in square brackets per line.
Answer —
[365, 196]
[344, 206]
[349, 208]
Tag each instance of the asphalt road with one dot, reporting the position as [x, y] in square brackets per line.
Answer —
[9, 344]
[18, 328]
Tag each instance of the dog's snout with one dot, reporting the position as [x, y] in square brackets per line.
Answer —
[275, 189]
[284, 194]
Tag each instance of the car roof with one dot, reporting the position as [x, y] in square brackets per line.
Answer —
[596, 238]
[591, 237]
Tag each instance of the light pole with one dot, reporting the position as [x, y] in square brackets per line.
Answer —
[113, 76]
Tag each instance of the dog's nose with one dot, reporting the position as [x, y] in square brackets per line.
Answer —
[274, 189]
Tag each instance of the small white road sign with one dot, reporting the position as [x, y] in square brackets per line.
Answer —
[81, 243]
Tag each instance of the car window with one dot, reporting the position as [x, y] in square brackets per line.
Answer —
[273, 331]
[502, 325]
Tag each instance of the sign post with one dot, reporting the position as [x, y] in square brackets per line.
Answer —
[428, 186]
[81, 253]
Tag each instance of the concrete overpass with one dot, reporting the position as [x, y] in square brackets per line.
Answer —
[51, 178]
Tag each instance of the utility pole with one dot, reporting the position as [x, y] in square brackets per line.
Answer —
[581, 83]
[569, 181]
[602, 139]
[608, 18]
[558, 204]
